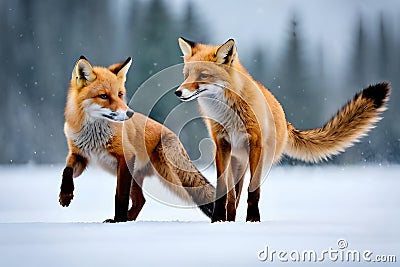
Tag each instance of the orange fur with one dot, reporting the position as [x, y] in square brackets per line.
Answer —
[249, 125]
[102, 129]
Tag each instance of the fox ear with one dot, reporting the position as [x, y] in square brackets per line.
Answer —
[121, 69]
[186, 46]
[226, 53]
[83, 72]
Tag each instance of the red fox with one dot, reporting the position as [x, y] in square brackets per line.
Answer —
[249, 127]
[100, 128]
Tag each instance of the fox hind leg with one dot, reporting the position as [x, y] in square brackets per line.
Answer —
[137, 197]
[253, 213]
[122, 194]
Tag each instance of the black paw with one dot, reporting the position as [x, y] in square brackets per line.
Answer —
[65, 198]
[218, 217]
[219, 214]
[109, 221]
[253, 214]
[230, 212]
[114, 220]
[231, 217]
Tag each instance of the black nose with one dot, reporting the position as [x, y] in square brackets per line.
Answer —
[130, 113]
[178, 93]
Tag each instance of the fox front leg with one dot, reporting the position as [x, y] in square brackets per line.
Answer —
[67, 187]
[222, 159]
[74, 167]
[256, 166]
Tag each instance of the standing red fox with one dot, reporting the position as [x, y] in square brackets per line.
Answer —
[101, 128]
[249, 127]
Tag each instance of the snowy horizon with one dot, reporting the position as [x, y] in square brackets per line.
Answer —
[302, 208]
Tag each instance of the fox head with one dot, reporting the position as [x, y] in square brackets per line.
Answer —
[209, 70]
[100, 91]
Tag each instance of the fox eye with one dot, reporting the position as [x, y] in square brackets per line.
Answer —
[103, 96]
[203, 76]
[120, 94]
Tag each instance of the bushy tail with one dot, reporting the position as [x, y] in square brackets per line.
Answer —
[200, 190]
[183, 177]
[352, 122]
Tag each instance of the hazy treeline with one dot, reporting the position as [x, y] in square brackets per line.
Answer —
[41, 41]
[310, 96]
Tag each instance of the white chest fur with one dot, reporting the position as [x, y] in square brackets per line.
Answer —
[216, 108]
[234, 126]
[92, 141]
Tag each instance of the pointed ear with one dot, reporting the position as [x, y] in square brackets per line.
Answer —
[121, 69]
[83, 72]
[226, 53]
[186, 46]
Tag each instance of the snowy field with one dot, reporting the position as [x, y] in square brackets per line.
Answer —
[302, 209]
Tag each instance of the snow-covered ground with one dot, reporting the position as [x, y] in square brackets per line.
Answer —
[302, 209]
